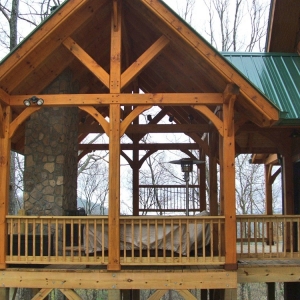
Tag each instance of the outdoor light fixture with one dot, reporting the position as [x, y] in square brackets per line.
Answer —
[34, 100]
[186, 168]
[149, 118]
[186, 165]
[171, 119]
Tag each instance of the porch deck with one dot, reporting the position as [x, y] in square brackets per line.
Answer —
[151, 277]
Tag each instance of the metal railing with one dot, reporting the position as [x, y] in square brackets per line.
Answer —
[164, 199]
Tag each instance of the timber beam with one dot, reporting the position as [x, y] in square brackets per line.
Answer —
[161, 99]
[151, 128]
[87, 61]
[100, 279]
[145, 147]
[1, 122]
[4, 97]
[268, 273]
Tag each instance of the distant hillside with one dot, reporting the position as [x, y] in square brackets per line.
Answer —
[92, 208]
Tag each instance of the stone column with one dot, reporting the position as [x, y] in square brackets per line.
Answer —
[51, 151]
[50, 177]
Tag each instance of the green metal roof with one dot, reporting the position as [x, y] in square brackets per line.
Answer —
[277, 76]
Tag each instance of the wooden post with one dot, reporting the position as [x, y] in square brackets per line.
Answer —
[221, 193]
[229, 185]
[4, 181]
[269, 201]
[114, 143]
[135, 178]
[271, 291]
[268, 189]
[114, 294]
[213, 180]
[126, 294]
[213, 185]
[114, 189]
[4, 188]
[288, 192]
[4, 293]
[204, 294]
[230, 294]
[288, 181]
[202, 170]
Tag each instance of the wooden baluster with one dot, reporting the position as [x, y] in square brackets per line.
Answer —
[140, 239]
[42, 239]
[124, 241]
[156, 242]
[132, 225]
[64, 238]
[49, 238]
[33, 238]
[56, 239]
[148, 240]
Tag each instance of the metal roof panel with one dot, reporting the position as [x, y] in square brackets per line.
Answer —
[276, 75]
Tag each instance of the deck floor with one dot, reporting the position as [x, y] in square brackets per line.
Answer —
[269, 262]
[173, 277]
[102, 268]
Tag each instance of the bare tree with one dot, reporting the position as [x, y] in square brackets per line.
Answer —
[257, 12]
[229, 25]
[93, 187]
[92, 179]
[28, 13]
[239, 27]
[186, 10]
[11, 16]
[250, 188]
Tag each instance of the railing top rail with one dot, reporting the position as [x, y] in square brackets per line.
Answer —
[275, 216]
[121, 217]
[99, 217]
[168, 186]
[92, 217]
[171, 217]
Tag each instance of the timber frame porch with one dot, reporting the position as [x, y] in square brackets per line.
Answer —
[149, 57]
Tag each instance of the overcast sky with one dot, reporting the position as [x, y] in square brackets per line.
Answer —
[199, 18]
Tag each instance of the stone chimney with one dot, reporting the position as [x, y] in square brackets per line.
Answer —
[51, 153]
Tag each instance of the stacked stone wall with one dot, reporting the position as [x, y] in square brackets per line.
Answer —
[51, 153]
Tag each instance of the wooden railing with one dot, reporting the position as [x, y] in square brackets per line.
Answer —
[143, 240]
[168, 199]
[267, 237]
[148, 240]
